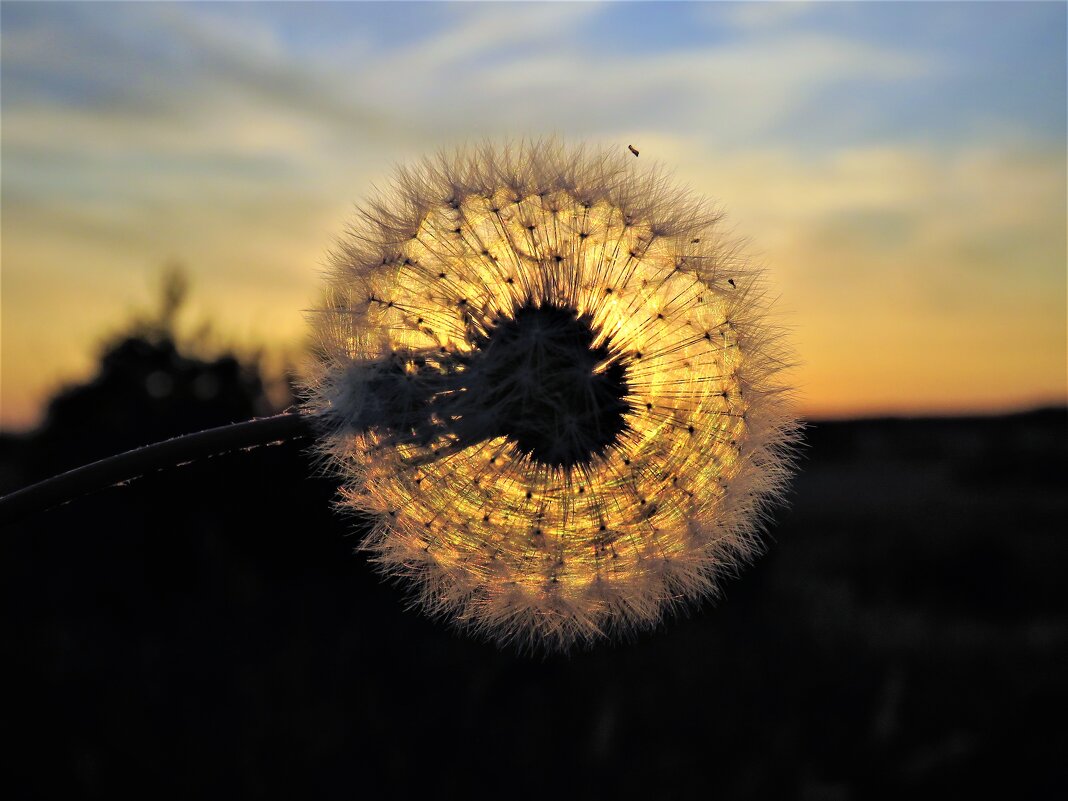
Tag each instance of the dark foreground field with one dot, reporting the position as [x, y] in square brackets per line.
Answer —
[208, 632]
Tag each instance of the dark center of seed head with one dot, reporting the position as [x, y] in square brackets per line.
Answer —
[543, 383]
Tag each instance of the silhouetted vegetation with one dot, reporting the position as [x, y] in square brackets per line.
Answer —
[150, 385]
[207, 631]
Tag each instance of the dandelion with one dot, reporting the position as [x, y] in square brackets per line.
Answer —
[548, 377]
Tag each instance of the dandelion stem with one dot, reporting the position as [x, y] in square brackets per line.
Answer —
[134, 463]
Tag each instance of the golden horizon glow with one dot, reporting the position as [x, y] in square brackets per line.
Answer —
[886, 323]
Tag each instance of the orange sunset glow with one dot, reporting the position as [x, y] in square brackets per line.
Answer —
[899, 169]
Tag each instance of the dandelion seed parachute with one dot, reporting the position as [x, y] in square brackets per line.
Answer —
[549, 378]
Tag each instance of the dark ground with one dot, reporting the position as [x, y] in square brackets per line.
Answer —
[207, 631]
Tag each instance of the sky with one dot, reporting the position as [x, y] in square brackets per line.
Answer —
[898, 168]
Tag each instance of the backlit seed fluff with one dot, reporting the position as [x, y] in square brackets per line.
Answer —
[549, 379]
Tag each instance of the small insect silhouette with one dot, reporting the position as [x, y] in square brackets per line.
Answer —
[633, 150]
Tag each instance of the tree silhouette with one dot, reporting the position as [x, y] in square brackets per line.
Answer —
[150, 384]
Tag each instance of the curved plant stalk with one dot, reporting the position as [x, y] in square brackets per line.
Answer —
[134, 463]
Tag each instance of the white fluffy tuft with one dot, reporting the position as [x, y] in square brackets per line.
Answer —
[537, 546]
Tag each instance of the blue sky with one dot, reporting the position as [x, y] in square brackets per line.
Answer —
[886, 160]
[920, 70]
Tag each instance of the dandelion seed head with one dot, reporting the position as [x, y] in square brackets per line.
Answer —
[549, 377]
